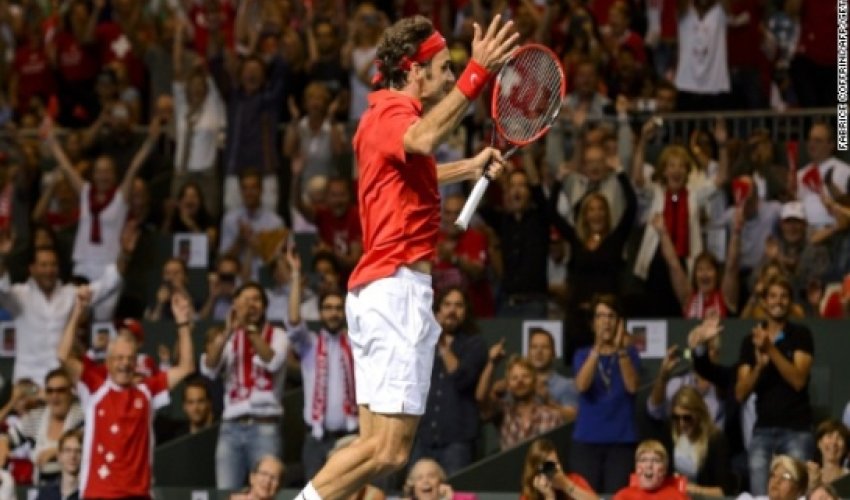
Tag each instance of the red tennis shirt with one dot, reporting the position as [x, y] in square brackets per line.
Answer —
[398, 196]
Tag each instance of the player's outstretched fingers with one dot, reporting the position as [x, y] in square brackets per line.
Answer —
[494, 25]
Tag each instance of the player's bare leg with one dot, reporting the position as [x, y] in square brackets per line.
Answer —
[385, 450]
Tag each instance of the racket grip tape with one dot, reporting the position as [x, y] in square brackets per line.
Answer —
[472, 202]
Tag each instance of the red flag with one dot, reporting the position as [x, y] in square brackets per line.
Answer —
[742, 187]
[791, 150]
[811, 179]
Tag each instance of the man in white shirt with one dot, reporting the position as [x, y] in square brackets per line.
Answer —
[241, 226]
[824, 172]
[250, 355]
[327, 369]
[41, 306]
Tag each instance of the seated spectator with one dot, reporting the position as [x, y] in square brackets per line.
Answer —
[659, 405]
[521, 416]
[823, 492]
[188, 214]
[788, 480]
[607, 379]
[67, 485]
[650, 480]
[712, 288]
[221, 284]
[197, 407]
[264, 481]
[43, 426]
[175, 279]
[554, 389]
[543, 477]
[25, 398]
[427, 481]
[699, 449]
[833, 442]
[244, 225]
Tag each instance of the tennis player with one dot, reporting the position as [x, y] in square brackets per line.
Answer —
[392, 328]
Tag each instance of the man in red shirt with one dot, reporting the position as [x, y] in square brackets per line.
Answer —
[118, 445]
[392, 328]
[337, 221]
[462, 260]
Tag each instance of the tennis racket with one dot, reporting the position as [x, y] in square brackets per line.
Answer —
[527, 98]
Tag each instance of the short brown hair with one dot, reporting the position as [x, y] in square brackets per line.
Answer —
[832, 425]
[402, 39]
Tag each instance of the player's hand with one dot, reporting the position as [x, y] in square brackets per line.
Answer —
[493, 48]
[489, 161]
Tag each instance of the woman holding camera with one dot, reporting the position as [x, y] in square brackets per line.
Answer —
[543, 478]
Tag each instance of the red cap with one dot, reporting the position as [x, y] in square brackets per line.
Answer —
[135, 327]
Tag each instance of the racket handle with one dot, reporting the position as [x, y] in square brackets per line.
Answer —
[472, 202]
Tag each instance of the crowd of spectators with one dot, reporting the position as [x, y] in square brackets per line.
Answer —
[228, 122]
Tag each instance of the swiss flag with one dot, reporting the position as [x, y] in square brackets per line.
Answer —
[811, 179]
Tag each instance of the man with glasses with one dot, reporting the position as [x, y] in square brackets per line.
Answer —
[327, 370]
[67, 484]
[824, 173]
[44, 426]
[265, 479]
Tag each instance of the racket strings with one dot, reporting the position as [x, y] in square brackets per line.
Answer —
[528, 95]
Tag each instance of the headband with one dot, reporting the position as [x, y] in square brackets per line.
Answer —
[427, 50]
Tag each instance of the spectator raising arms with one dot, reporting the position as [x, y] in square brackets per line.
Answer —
[119, 411]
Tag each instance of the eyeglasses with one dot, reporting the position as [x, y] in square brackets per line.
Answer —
[785, 476]
[653, 460]
[685, 418]
[332, 308]
[57, 390]
[71, 449]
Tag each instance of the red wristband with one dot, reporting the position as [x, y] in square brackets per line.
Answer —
[473, 80]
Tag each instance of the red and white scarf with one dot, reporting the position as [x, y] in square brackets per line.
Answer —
[320, 385]
[700, 304]
[248, 375]
[6, 206]
[96, 206]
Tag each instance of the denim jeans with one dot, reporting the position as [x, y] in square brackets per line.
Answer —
[240, 446]
[770, 441]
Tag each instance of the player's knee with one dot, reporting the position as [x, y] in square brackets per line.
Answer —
[390, 460]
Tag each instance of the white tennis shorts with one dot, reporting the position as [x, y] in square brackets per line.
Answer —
[393, 334]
